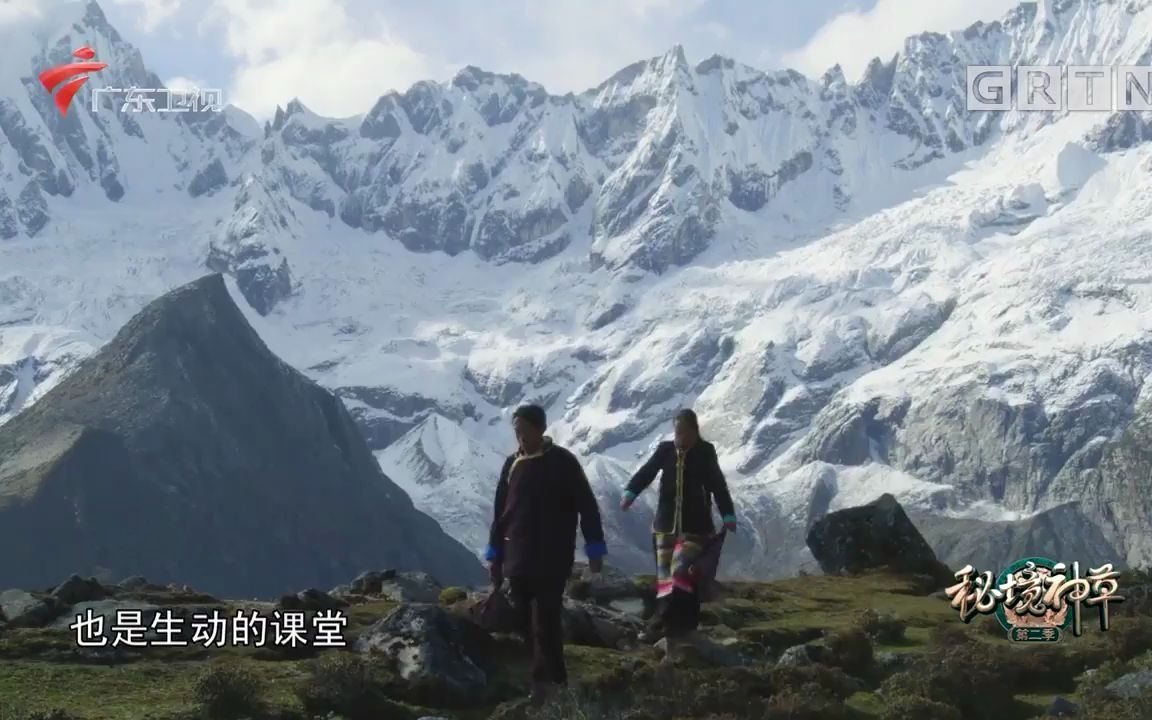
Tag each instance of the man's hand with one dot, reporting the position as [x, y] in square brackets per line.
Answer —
[596, 565]
[496, 574]
[626, 501]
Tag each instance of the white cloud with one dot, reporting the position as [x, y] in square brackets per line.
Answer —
[153, 12]
[716, 29]
[14, 10]
[183, 83]
[855, 37]
[313, 50]
[572, 45]
[338, 58]
[643, 8]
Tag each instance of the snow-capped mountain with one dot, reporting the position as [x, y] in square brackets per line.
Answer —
[860, 287]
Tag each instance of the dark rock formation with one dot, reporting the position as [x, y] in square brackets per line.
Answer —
[311, 599]
[1118, 491]
[873, 536]
[184, 449]
[594, 626]
[77, 590]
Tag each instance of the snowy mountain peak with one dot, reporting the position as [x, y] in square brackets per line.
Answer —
[442, 468]
[654, 77]
[858, 285]
[833, 78]
[644, 172]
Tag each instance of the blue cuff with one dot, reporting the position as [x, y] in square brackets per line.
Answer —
[596, 550]
[729, 519]
[491, 553]
[629, 495]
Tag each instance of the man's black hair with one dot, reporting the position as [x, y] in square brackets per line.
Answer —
[689, 417]
[533, 414]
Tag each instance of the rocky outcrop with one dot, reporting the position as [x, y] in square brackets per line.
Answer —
[20, 608]
[185, 449]
[1119, 491]
[1132, 685]
[1077, 461]
[874, 536]
[597, 626]
[245, 247]
[401, 587]
[431, 648]
[78, 590]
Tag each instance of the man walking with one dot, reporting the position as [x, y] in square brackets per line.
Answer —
[541, 494]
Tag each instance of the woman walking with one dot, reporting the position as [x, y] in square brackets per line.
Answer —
[690, 479]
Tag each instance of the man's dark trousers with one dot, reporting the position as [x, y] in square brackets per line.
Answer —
[540, 604]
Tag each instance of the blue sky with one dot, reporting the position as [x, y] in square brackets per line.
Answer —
[338, 56]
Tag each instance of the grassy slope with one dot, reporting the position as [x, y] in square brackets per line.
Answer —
[37, 673]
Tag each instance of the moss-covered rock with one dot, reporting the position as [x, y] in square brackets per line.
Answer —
[453, 595]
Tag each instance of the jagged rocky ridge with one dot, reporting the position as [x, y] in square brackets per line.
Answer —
[653, 164]
[184, 449]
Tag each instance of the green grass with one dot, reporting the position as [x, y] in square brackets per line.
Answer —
[124, 692]
[866, 704]
[799, 610]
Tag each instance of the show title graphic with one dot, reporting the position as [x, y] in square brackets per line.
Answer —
[1036, 599]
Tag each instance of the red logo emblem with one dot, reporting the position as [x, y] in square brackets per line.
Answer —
[52, 77]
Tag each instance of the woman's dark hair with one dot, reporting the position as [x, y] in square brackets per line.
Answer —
[689, 417]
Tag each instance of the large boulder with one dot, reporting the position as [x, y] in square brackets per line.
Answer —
[878, 535]
[370, 582]
[24, 609]
[77, 590]
[800, 656]
[1132, 685]
[401, 587]
[311, 599]
[411, 587]
[432, 649]
[595, 626]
